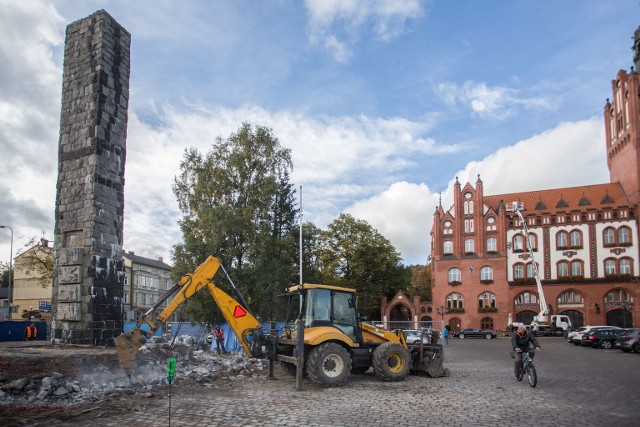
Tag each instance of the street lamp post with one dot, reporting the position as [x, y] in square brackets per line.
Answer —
[10, 268]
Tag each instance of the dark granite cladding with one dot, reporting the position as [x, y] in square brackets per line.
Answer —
[87, 299]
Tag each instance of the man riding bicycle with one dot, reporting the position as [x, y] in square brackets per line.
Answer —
[520, 341]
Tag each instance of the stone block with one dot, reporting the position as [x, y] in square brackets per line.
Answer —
[69, 312]
[69, 293]
[70, 256]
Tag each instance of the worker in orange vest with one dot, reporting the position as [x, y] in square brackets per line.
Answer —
[31, 333]
[218, 334]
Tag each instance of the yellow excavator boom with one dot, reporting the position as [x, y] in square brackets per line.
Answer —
[239, 317]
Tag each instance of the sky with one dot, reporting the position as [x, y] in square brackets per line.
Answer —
[382, 103]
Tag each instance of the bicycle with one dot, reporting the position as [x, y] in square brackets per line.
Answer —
[528, 368]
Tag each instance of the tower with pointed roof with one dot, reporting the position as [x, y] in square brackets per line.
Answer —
[622, 128]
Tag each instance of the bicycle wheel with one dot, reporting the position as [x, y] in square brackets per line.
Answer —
[532, 376]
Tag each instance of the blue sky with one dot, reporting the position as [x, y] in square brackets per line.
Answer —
[383, 103]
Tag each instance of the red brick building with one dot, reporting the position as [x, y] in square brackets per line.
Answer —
[585, 239]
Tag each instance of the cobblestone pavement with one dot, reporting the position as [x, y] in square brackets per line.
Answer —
[576, 386]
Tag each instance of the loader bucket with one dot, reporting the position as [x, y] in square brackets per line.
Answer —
[127, 346]
[431, 362]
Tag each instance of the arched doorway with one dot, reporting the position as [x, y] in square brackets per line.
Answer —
[525, 317]
[399, 317]
[455, 324]
[620, 317]
[577, 318]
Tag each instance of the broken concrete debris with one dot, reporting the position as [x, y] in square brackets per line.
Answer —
[99, 382]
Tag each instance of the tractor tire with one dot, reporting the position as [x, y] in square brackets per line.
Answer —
[329, 365]
[391, 362]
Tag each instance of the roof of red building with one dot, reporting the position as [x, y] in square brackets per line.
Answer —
[588, 197]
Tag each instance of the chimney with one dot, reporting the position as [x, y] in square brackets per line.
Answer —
[160, 259]
[131, 253]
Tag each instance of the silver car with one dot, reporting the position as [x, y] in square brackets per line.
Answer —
[412, 336]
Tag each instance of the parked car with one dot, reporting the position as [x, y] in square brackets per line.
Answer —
[580, 330]
[629, 340]
[602, 338]
[474, 333]
[577, 339]
[412, 336]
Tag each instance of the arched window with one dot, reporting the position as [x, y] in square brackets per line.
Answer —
[531, 274]
[575, 238]
[609, 267]
[625, 266]
[455, 275]
[468, 206]
[486, 274]
[576, 269]
[469, 246]
[492, 244]
[609, 236]
[561, 240]
[486, 300]
[518, 271]
[518, 243]
[624, 236]
[532, 242]
[563, 269]
[448, 247]
[455, 301]
[526, 298]
[618, 296]
[570, 297]
[486, 323]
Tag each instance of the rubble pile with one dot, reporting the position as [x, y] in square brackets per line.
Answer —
[97, 382]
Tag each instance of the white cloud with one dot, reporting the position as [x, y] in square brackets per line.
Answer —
[403, 213]
[491, 102]
[571, 154]
[30, 84]
[336, 159]
[337, 25]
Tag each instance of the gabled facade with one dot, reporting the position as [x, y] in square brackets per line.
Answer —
[146, 280]
[584, 239]
[31, 295]
[585, 244]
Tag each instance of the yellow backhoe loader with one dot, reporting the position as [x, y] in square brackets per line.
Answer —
[336, 342]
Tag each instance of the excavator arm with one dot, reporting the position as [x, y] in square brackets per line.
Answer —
[242, 321]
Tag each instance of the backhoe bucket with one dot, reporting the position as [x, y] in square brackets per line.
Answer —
[127, 346]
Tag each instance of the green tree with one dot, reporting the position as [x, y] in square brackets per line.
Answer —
[37, 261]
[4, 274]
[353, 254]
[310, 236]
[238, 204]
[421, 281]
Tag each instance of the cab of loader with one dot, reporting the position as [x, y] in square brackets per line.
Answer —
[322, 305]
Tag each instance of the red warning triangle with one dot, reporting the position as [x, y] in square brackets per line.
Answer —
[239, 312]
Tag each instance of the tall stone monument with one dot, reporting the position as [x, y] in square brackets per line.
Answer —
[89, 270]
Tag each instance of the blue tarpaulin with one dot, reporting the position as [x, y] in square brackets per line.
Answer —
[13, 330]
